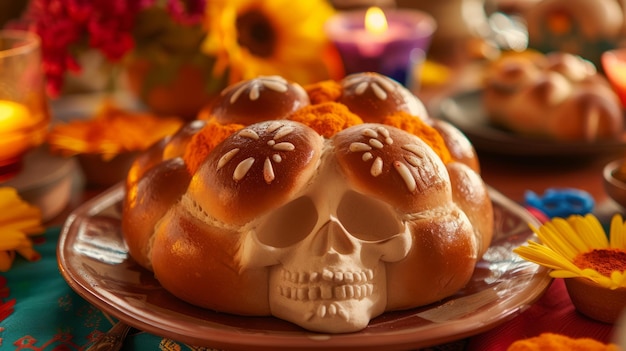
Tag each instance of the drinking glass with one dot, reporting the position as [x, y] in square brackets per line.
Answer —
[24, 112]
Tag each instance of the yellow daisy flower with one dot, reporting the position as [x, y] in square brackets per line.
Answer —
[249, 38]
[579, 247]
[18, 221]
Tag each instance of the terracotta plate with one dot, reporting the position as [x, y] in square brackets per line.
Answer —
[466, 112]
[93, 259]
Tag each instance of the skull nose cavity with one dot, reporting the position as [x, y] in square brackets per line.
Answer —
[333, 238]
[326, 285]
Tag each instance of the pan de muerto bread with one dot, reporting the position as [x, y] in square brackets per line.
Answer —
[557, 96]
[321, 217]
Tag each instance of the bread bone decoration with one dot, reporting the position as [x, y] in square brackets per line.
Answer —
[326, 233]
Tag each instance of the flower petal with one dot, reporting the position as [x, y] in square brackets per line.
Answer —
[6, 259]
[12, 239]
[570, 235]
[598, 278]
[552, 238]
[29, 253]
[617, 235]
[590, 229]
[560, 273]
[545, 256]
[298, 39]
[619, 278]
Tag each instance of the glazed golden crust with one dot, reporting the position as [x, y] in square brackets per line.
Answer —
[167, 148]
[441, 261]
[256, 169]
[177, 145]
[461, 149]
[259, 99]
[147, 201]
[374, 97]
[197, 262]
[392, 165]
[472, 196]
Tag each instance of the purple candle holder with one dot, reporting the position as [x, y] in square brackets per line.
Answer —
[393, 53]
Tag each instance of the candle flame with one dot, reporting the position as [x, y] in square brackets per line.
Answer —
[375, 20]
[13, 114]
[614, 64]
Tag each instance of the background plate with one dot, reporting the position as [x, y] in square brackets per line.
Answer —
[93, 259]
[466, 112]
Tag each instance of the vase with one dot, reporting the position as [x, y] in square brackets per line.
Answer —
[184, 94]
[596, 302]
[100, 173]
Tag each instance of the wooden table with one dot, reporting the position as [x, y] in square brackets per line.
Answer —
[514, 176]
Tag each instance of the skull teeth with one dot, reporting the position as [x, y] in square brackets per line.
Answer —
[327, 285]
[327, 292]
[328, 275]
[330, 310]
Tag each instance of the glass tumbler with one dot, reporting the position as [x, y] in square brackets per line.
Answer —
[24, 112]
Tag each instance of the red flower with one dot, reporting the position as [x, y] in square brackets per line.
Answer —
[188, 12]
[66, 25]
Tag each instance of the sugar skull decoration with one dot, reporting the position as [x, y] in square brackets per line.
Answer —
[326, 233]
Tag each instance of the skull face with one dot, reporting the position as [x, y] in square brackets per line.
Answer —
[327, 251]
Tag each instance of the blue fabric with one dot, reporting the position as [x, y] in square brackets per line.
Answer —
[48, 315]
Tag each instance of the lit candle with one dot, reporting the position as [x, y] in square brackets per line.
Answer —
[15, 124]
[375, 21]
[375, 41]
[614, 65]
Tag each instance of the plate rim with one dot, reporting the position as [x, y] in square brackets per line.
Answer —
[362, 340]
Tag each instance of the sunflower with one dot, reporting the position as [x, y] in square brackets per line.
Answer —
[249, 38]
[579, 247]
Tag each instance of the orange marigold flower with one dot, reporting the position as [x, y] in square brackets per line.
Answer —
[552, 341]
[326, 118]
[111, 132]
[416, 126]
[324, 91]
[203, 142]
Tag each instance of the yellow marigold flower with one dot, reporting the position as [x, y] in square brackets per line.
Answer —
[18, 221]
[111, 132]
[249, 38]
[579, 247]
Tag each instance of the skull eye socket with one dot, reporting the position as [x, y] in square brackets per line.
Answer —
[367, 218]
[289, 224]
